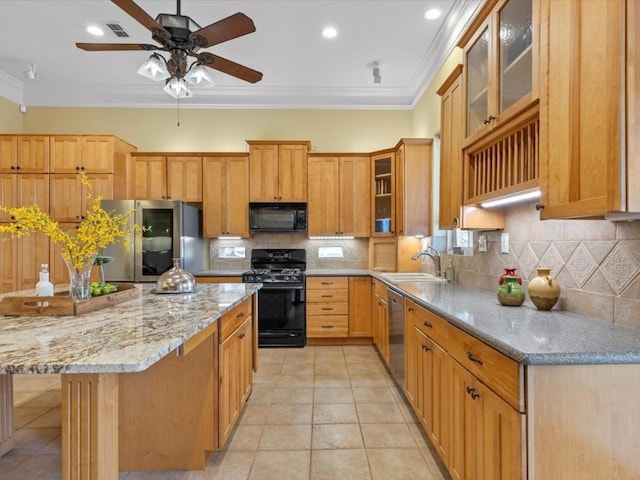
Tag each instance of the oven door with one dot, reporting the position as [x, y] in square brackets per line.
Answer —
[281, 315]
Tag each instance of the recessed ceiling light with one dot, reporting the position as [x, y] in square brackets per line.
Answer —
[329, 32]
[93, 30]
[432, 14]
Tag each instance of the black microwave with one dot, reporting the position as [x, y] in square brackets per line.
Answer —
[277, 217]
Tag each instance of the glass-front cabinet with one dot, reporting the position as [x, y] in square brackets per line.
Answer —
[499, 65]
[383, 199]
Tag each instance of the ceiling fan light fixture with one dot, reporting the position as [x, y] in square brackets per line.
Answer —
[199, 74]
[178, 88]
[155, 68]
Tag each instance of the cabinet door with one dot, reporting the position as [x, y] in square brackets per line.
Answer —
[214, 194]
[97, 154]
[383, 204]
[33, 189]
[229, 403]
[502, 434]
[323, 205]
[413, 192]
[581, 158]
[66, 154]
[263, 168]
[237, 196]
[66, 197]
[101, 186]
[246, 366]
[33, 154]
[477, 71]
[440, 400]
[382, 328]
[33, 251]
[8, 264]
[8, 153]
[465, 426]
[184, 178]
[150, 178]
[292, 172]
[360, 307]
[8, 194]
[355, 196]
[424, 385]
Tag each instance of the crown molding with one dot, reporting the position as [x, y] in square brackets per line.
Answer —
[11, 88]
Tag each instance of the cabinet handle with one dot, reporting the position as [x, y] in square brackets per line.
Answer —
[327, 326]
[326, 296]
[326, 283]
[425, 348]
[455, 221]
[473, 358]
[489, 119]
[539, 206]
[240, 315]
[327, 308]
[427, 324]
[410, 309]
[473, 393]
[469, 390]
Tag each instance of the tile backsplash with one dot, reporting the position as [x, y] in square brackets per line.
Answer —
[355, 252]
[596, 262]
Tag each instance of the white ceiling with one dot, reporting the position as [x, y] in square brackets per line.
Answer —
[301, 68]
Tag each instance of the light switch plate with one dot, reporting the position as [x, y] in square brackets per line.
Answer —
[504, 243]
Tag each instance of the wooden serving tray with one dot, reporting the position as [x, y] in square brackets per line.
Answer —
[61, 304]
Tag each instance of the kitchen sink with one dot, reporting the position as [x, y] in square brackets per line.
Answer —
[397, 277]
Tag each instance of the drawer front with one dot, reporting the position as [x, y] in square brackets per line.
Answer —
[327, 326]
[233, 319]
[336, 308]
[496, 370]
[330, 283]
[432, 326]
[380, 289]
[327, 296]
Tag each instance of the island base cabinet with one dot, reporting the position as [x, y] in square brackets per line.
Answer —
[591, 412]
[89, 426]
[7, 440]
[168, 412]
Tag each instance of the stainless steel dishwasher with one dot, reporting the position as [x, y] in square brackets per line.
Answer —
[396, 336]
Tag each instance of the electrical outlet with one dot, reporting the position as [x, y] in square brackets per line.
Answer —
[504, 243]
[482, 243]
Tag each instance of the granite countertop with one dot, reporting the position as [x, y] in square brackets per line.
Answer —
[128, 337]
[528, 335]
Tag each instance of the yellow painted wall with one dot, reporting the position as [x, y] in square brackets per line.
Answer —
[425, 116]
[11, 120]
[153, 129]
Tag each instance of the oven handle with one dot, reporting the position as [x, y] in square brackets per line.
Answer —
[280, 286]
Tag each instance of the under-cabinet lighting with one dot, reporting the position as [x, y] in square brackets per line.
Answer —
[512, 199]
[332, 238]
[229, 238]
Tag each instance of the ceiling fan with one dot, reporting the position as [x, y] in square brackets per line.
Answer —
[183, 38]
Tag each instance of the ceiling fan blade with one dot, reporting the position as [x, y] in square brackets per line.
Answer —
[228, 28]
[142, 17]
[98, 47]
[230, 68]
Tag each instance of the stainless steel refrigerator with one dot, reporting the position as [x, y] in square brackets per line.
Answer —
[174, 231]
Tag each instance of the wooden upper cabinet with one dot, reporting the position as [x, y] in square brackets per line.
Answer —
[225, 203]
[150, 177]
[98, 154]
[383, 185]
[452, 212]
[589, 109]
[278, 171]
[8, 153]
[500, 74]
[66, 154]
[184, 178]
[339, 195]
[32, 154]
[414, 158]
[24, 190]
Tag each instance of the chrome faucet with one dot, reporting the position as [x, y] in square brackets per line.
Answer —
[433, 254]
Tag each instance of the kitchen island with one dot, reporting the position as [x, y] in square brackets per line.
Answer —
[139, 380]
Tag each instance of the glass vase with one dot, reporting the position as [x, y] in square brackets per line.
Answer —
[79, 278]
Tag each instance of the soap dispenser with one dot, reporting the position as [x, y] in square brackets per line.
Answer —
[44, 288]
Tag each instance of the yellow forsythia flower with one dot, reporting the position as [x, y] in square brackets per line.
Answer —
[98, 229]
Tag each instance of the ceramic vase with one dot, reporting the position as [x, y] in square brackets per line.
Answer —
[79, 278]
[511, 293]
[511, 272]
[543, 290]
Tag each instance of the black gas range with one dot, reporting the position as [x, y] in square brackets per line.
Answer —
[281, 300]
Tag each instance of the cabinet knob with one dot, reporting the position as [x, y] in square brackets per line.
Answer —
[539, 206]
[425, 348]
[241, 336]
[327, 326]
[12, 167]
[82, 168]
[77, 169]
[275, 198]
[455, 221]
[410, 309]
[473, 358]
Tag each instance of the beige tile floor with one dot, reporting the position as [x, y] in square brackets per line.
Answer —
[316, 413]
